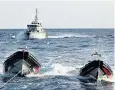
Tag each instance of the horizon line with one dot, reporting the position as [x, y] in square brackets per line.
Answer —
[58, 28]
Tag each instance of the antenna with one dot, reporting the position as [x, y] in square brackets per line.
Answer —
[36, 16]
[96, 44]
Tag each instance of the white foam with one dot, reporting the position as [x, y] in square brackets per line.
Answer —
[69, 35]
[21, 36]
[34, 75]
[108, 79]
[13, 37]
[52, 37]
[79, 66]
[58, 69]
[1, 69]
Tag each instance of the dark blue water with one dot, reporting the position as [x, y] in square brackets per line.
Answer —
[61, 56]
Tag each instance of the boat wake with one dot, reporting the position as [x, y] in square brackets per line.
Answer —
[21, 36]
[101, 79]
[70, 35]
[56, 69]
[109, 80]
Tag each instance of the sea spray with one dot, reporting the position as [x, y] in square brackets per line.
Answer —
[21, 36]
[56, 69]
[109, 79]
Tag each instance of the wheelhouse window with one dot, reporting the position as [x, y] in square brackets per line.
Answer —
[32, 25]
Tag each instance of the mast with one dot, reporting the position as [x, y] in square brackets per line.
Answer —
[36, 16]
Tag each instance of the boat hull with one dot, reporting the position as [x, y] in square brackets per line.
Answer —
[21, 63]
[96, 70]
[37, 35]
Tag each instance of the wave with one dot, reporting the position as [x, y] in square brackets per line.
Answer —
[56, 69]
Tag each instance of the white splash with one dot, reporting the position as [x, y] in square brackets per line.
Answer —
[1, 69]
[34, 75]
[104, 78]
[21, 36]
[58, 69]
[13, 37]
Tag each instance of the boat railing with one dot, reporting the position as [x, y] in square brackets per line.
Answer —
[107, 66]
[10, 56]
[34, 58]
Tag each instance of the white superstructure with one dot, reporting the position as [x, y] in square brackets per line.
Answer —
[35, 29]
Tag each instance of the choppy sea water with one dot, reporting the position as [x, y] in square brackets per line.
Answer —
[61, 56]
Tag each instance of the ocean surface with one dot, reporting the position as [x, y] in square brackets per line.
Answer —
[61, 56]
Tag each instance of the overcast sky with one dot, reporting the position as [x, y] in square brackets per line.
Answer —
[58, 14]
